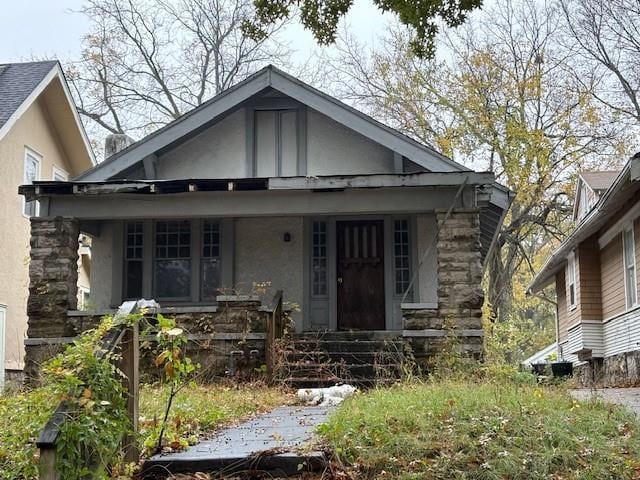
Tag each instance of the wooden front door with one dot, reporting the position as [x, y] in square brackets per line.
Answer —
[360, 274]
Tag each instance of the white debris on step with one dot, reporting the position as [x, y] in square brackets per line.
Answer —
[326, 396]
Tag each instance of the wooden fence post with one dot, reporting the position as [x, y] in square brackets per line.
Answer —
[130, 367]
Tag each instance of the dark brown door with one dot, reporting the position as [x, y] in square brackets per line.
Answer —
[360, 272]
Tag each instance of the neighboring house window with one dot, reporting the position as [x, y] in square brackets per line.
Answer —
[571, 280]
[319, 258]
[276, 145]
[83, 298]
[133, 256]
[210, 284]
[401, 256]
[628, 245]
[60, 175]
[172, 265]
[31, 174]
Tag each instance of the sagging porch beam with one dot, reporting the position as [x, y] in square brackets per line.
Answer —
[257, 203]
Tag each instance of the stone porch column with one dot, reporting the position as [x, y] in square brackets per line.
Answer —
[460, 294]
[53, 285]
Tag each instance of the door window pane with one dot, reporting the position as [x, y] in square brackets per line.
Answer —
[172, 266]
[210, 281]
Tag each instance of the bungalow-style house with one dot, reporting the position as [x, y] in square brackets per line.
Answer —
[274, 183]
[41, 138]
[595, 279]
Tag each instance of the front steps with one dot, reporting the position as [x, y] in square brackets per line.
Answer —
[319, 359]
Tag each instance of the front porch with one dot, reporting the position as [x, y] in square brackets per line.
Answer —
[397, 253]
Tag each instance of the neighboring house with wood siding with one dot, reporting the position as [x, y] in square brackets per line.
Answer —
[41, 138]
[595, 276]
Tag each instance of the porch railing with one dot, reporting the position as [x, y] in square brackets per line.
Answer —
[126, 338]
[275, 330]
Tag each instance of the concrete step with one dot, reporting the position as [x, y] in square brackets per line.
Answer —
[321, 356]
[351, 346]
[350, 335]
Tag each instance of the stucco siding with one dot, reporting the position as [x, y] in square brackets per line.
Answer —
[32, 130]
[262, 255]
[333, 149]
[218, 152]
[611, 264]
[428, 276]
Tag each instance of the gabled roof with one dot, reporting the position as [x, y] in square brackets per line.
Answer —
[599, 180]
[624, 186]
[21, 84]
[17, 81]
[270, 77]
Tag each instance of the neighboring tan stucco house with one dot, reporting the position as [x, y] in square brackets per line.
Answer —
[41, 138]
[595, 276]
[275, 182]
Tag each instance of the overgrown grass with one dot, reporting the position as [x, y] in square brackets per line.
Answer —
[197, 411]
[486, 430]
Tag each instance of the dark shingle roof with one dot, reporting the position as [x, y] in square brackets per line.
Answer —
[599, 180]
[17, 81]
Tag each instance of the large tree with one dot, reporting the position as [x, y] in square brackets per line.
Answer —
[502, 98]
[145, 62]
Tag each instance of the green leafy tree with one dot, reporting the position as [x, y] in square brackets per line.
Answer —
[321, 17]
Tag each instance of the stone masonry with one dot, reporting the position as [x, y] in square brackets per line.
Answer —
[460, 295]
[53, 273]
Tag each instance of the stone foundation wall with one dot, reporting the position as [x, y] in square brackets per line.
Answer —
[237, 324]
[53, 273]
[621, 370]
[457, 320]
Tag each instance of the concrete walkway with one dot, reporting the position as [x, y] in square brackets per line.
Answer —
[629, 397]
[277, 442]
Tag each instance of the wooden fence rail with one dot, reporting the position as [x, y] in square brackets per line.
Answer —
[126, 338]
[275, 330]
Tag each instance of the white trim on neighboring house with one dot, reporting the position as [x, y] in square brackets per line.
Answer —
[571, 280]
[617, 227]
[56, 71]
[31, 153]
[59, 174]
[630, 289]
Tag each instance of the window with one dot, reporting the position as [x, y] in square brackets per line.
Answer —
[59, 175]
[276, 143]
[31, 174]
[210, 283]
[571, 279]
[84, 297]
[401, 256]
[319, 259]
[628, 245]
[172, 266]
[133, 256]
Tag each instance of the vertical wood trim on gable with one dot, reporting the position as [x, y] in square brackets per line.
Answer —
[250, 123]
[302, 140]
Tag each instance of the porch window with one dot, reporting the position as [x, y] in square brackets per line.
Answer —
[401, 256]
[629, 267]
[571, 280]
[210, 260]
[172, 263]
[133, 257]
[319, 258]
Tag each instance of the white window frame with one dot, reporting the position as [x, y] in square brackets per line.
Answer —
[629, 302]
[571, 280]
[57, 171]
[28, 152]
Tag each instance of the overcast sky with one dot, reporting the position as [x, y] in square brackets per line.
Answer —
[52, 29]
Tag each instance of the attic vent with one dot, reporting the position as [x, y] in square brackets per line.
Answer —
[116, 142]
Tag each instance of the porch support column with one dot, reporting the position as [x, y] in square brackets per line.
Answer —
[460, 294]
[53, 287]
